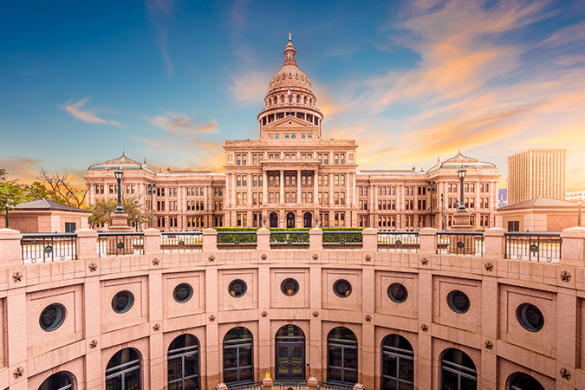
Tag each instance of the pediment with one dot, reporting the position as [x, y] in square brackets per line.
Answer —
[289, 122]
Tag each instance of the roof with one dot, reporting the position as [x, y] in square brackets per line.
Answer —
[46, 204]
[540, 202]
[459, 161]
[122, 162]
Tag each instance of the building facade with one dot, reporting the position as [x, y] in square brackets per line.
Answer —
[536, 172]
[293, 177]
[576, 196]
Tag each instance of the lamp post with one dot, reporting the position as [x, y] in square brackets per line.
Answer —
[442, 213]
[461, 172]
[432, 188]
[151, 189]
[137, 223]
[7, 221]
[118, 173]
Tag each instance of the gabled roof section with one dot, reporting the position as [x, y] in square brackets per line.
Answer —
[46, 204]
[540, 202]
[284, 122]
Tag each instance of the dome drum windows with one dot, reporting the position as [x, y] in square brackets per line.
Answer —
[342, 288]
[530, 317]
[52, 317]
[122, 301]
[237, 288]
[458, 301]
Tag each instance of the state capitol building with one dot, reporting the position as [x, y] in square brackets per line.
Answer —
[293, 177]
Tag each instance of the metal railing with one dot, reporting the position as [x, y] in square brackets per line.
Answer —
[334, 386]
[534, 246]
[289, 240]
[342, 239]
[290, 385]
[246, 386]
[398, 242]
[236, 240]
[177, 242]
[35, 248]
[460, 243]
[120, 244]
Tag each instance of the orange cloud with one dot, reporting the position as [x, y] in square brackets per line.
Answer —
[78, 111]
[25, 170]
[176, 122]
[250, 86]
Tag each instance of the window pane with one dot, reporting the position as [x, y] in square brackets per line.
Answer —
[191, 365]
[449, 381]
[131, 381]
[407, 370]
[114, 384]
[230, 359]
[390, 366]
[334, 357]
[468, 384]
[350, 358]
[246, 375]
[191, 384]
[245, 356]
[350, 376]
[174, 369]
[230, 376]
[334, 375]
[388, 384]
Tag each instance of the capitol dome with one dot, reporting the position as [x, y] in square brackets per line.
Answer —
[290, 76]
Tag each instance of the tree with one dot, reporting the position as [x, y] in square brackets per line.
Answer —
[101, 211]
[36, 190]
[60, 189]
[10, 191]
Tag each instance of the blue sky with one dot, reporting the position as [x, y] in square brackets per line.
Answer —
[170, 80]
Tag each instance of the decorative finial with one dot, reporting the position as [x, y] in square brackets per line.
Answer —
[145, 160]
[123, 153]
[289, 36]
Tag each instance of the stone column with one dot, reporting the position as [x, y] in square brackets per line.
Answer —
[263, 239]
[152, 242]
[10, 248]
[299, 186]
[370, 240]
[573, 246]
[495, 243]
[209, 240]
[315, 188]
[315, 239]
[281, 187]
[428, 241]
[331, 193]
[86, 244]
[264, 188]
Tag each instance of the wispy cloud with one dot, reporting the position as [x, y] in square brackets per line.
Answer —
[250, 86]
[177, 122]
[159, 12]
[79, 111]
[25, 170]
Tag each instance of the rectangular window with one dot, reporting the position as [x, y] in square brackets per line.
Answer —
[342, 180]
[326, 198]
[320, 180]
[342, 198]
[336, 180]
[326, 180]
[69, 227]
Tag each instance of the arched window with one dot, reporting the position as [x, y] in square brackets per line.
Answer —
[58, 381]
[275, 100]
[183, 363]
[290, 99]
[342, 356]
[238, 363]
[298, 99]
[290, 353]
[457, 371]
[397, 363]
[311, 102]
[282, 98]
[305, 100]
[123, 371]
[521, 381]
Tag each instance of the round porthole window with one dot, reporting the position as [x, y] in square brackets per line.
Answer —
[458, 301]
[303, 136]
[122, 301]
[52, 317]
[183, 292]
[237, 288]
[530, 317]
[397, 292]
[289, 287]
[286, 136]
[293, 136]
[342, 288]
[276, 136]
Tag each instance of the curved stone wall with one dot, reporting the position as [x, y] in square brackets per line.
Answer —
[489, 332]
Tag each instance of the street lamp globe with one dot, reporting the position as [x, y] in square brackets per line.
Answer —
[118, 173]
[461, 172]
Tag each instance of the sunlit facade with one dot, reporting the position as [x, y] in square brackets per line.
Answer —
[292, 176]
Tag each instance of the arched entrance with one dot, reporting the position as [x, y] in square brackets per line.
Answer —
[290, 353]
[123, 370]
[183, 363]
[342, 356]
[238, 362]
[273, 220]
[308, 220]
[458, 371]
[290, 220]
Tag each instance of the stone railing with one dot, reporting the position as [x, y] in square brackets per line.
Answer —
[493, 243]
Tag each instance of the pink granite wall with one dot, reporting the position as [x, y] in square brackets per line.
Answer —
[92, 332]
